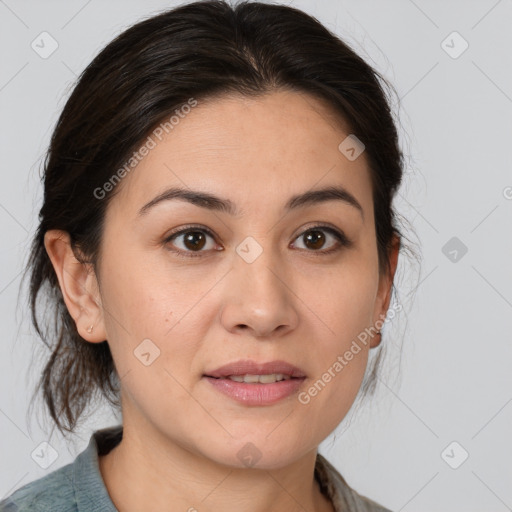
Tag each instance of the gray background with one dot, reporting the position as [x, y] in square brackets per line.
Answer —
[447, 375]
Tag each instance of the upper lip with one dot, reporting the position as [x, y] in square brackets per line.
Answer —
[249, 367]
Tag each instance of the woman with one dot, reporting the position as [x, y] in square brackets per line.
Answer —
[218, 242]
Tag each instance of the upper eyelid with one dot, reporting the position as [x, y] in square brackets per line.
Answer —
[184, 230]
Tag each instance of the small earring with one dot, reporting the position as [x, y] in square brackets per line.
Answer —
[89, 329]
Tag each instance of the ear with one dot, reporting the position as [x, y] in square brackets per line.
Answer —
[384, 290]
[78, 285]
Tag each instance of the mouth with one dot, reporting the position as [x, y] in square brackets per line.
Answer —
[257, 379]
[256, 393]
[256, 384]
[246, 370]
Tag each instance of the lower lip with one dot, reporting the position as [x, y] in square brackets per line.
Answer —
[256, 394]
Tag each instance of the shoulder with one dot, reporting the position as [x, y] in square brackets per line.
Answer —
[366, 504]
[343, 497]
[52, 493]
[76, 487]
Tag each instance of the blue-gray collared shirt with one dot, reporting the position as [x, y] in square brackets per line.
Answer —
[79, 487]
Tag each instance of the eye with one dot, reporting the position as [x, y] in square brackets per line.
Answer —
[315, 238]
[193, 239]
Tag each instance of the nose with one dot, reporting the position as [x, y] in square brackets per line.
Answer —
[258, 299]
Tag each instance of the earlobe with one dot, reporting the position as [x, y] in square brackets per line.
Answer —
[78, 286]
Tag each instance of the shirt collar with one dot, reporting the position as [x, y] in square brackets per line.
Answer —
[90, 490]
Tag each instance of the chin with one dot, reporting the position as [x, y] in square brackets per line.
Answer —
[260, 453]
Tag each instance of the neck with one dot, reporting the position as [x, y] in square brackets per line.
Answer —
[152, 473]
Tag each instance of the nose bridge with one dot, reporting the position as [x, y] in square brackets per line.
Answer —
[256, 265]
[258, 296]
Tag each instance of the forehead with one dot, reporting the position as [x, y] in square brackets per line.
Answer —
[252, 150]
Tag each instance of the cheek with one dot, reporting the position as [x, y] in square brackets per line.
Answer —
[148, 331]
[343, 299]
[342, 312]
[143, 301]
[343, 353]
[140, 297]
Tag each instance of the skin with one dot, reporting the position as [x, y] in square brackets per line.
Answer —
[181, 436]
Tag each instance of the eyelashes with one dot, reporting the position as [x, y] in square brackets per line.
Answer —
[196, 237]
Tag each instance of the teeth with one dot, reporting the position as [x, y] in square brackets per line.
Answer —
[263, 379]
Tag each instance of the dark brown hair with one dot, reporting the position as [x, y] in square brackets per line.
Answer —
[202, 50]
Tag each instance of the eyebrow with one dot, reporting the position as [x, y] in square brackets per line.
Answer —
[212, 202]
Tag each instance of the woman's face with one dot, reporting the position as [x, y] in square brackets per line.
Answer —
[256, 285]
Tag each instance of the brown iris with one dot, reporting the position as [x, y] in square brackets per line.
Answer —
[194, 240]
[316, 238]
